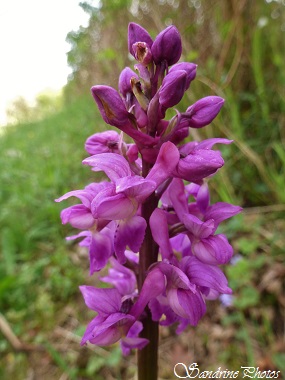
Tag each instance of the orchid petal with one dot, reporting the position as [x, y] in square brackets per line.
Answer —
[166, 161]
[160, 235]
[114, 165]
[104, 301]
[130, 233]
[213, 250]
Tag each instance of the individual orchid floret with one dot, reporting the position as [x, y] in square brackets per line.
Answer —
[137, 33]
[113, 320]
[189, 68]
[117, 314]
[103, 142]
[198, 161]
[183, 297]
[167, 46]
[203, 112]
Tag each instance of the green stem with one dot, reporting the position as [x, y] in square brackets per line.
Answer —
[147, 357]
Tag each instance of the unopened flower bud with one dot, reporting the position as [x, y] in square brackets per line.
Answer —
[136, 33]
[190, 69]
[172, 88]
[167, 46]
[111, 105]
[204, 111]
[125, 81]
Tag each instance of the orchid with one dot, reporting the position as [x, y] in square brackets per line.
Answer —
[150, 222]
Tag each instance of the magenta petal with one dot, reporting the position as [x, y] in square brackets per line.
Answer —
[104, 301]
[111, 106]
[115, 207]
[160, 235]
[166, 161]
[198, 164]
[83, 195]
[129, 233]
[203, 198]
[213, 250]
[167, 46]
[197, 227]
[109, 330]
[178, 197]
[123, 279]
[78, 216]
[172, 88]
[132, 340]
[176, 278]
[137, 33]
[153, 286]
[221, 211]
[100, 249]
[114, 165]
[204, 275]
[135, 187]
[190, 69]
[125, 81]
[204, 111]
[209, 143]
[103, 142]
[128, 343]
[193, 305]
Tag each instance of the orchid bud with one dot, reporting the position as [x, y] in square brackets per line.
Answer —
[172, 88]
[190, 69]
[125, 81]
[198, 164]
[204, 111]
[136, 33]
[111, 105]
[142, 52]
[167, 46]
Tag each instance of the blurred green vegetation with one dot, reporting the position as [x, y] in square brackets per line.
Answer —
[239, 47]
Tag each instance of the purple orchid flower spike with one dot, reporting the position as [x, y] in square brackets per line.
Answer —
[151, 222]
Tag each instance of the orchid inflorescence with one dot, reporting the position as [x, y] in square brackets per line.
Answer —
[152, 223]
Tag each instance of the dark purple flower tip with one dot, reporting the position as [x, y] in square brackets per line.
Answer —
[137, 33]
[172, 88]
[167, 46]
[190, 68]
[142, 52]
[111, 105]
[204, 111]
[125, 81]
